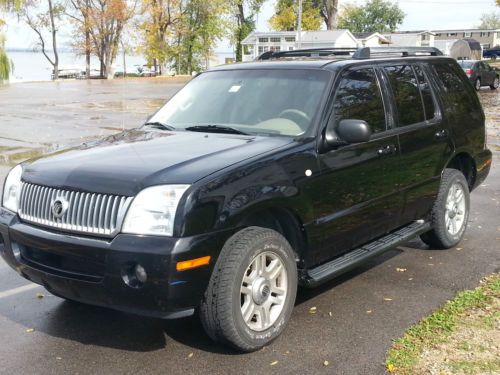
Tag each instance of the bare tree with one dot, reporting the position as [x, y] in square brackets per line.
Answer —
[80, 13]
[42, 22]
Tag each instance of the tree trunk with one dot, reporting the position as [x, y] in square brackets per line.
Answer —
[239, 33]
[54, 40]
[329, 12]
[86, 22]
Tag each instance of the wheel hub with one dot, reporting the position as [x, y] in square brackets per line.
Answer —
[261, 291]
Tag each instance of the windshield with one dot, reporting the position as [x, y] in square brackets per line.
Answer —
[281, 102]
[467, 64]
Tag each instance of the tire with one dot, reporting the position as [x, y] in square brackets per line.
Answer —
[495, 84]
[229, 293]
[450, 214]
[477, 85]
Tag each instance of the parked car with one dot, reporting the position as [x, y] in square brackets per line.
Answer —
[492, 53]
[480, 74]
[252, 180]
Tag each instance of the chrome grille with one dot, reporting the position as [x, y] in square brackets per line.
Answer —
[89, 213]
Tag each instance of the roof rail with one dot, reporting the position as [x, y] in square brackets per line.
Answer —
[312, 52]
[355, 53]
[370, 52]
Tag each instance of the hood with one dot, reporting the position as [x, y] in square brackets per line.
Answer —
[127, 162]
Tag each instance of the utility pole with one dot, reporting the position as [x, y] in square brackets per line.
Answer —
[299, 25]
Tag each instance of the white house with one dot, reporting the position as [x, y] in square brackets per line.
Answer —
[371, 39]
[411, 38]
[257, 43]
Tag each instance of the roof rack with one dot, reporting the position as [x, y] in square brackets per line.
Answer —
[355, 53]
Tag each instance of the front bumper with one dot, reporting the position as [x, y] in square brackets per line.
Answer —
[92, 270]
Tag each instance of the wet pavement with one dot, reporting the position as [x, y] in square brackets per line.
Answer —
[356, 316]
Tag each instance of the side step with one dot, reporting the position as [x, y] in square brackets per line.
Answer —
[338, 266]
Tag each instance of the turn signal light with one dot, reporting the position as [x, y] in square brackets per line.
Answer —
[193, 263]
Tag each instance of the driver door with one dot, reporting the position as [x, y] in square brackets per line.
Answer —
[359, 197]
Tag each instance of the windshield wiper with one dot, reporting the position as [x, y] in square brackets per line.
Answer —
[215, 129]
[159, 125]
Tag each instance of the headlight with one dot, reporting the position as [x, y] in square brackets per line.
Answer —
[12, 189]
[153, 210]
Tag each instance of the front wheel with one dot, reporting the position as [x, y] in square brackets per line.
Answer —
[252, 290]
[450, 212]
[495, 84]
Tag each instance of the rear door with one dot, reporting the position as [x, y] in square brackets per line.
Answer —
[357, 193]
[424, 138]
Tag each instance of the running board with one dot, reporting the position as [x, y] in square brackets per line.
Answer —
[347, 262]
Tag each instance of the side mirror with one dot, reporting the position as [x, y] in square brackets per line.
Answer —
[354, 131]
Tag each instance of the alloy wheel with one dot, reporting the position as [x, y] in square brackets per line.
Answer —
[263, 291]
[455, 209]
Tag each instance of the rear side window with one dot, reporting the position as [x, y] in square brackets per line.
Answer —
[456, 90]
[359, 97]
[406, 94]
[426, 92]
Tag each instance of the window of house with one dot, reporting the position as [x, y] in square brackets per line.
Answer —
[406, 94]
[424, 37]
[290, 39]
[425, 91]
[275, 48]
[359, 97]
[468, 35]
[439, 34]
[451, 34]
[275, 40]
[263, 40]
[290, 48]
[261, 50]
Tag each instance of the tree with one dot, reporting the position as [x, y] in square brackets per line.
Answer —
[490, 21]
[80, 14]
[243, 12]
[42, 16]
[285, 18]
[376, 16]
[328, 10]
[5, 63]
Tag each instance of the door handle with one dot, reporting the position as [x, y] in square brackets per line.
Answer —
[441, 134]
[387, 150]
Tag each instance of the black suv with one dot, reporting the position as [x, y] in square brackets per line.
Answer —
[252, 180]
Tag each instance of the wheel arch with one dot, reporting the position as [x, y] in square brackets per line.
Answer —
[464, 163]
[283, 221]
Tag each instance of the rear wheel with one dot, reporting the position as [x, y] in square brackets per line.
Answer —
[477, 85]
[495, 84]
[252, 290]
[450, 212]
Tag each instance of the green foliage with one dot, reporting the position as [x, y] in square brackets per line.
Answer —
[376, 16]
[435, 328]
[286, 15]
[490, 21]
[5, 63]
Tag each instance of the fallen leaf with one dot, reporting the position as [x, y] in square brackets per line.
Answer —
[430, 257]
[410, 279]
[274, 363]
[58, 358]
[368, 311]
[313, 310]
[29, 330]
[190, 355]
[387, 299]
[326, 363]
[459, 248]
[401, 269]
[390, 367]
[40, 295]
[430, 264]
[287, 352]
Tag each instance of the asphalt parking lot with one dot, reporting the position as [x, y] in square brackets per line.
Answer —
[356, 316]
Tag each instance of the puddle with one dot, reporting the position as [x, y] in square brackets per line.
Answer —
[142, 106]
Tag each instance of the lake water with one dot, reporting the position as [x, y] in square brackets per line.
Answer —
[33, 66]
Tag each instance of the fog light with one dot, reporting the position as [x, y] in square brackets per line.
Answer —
[134, 275]
[140, 274]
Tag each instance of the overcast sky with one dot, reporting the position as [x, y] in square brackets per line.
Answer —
[420, 14]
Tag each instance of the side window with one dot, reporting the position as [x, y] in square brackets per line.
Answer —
[359, 97]
[406, 94]
[459, 95]
[426, 92]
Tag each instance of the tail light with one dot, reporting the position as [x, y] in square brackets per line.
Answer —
[469, 72]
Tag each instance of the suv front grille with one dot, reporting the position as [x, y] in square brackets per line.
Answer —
[88, 213]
